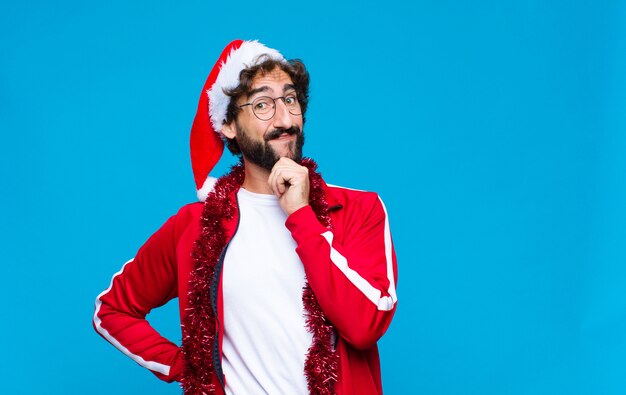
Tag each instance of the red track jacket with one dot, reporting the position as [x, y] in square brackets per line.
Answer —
[352, 271]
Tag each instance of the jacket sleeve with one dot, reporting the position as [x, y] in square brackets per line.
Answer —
[145, 282]
[354, 281]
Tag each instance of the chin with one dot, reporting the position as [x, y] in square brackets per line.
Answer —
[287, 150]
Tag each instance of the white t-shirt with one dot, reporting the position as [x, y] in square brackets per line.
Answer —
[265, 336]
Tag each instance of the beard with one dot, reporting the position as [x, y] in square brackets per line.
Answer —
[262, 154]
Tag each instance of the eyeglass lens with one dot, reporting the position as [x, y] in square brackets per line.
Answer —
[264, 107]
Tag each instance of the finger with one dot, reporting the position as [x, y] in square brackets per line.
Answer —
[279, 166]
[282, 185]
[285, 174]
[285, 161]
[275, 180]
[284, 179]
[272, 181]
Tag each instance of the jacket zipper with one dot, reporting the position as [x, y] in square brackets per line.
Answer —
[217, 358]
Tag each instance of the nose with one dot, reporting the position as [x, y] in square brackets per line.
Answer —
[282, 117]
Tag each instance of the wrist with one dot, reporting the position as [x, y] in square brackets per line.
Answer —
[303, 224]
[293, 209]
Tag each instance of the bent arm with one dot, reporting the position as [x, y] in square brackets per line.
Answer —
[354, 281]
[145, 282]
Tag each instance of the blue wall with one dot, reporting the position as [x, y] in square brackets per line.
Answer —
[494, 131]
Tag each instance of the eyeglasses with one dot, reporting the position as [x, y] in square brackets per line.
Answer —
[264, 107]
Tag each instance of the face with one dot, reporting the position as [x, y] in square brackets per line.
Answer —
[264, 142]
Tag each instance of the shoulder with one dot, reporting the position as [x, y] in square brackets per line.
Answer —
[352, 198]
[351, 194]
[190, 209]
[187, 215]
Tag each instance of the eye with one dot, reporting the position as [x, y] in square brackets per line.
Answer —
[291, 99]
[262, 104]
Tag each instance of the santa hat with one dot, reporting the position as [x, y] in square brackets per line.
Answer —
[206, 132]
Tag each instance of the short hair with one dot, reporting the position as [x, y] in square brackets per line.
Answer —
[294, 68]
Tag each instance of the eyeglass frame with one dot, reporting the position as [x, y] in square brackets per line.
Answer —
[273, 99]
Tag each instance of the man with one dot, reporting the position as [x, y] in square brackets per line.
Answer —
[285, 284]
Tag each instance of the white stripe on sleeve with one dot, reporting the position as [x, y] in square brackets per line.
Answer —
[154, 366]
[383, 303]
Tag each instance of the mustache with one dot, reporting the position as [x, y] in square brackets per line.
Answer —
[276, 133]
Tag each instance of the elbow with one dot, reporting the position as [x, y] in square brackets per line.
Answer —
[365, 332]
[96, 319]
[366, 336]
[362, 342]
[362, 339]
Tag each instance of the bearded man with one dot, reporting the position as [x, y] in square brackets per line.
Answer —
[285, 283]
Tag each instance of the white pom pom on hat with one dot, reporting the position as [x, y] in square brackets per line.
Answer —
[206, 142]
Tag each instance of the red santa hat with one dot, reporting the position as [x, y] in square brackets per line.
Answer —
[206, 132]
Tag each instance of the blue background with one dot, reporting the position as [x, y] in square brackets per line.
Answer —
[494, 131]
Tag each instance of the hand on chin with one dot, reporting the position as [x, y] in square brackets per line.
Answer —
[289, 181]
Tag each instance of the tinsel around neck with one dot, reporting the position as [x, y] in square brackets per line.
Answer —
[200, 375]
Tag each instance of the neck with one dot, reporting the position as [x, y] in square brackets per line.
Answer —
[255, 179]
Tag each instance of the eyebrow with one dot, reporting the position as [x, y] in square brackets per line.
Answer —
[257, 90]
[253, 92]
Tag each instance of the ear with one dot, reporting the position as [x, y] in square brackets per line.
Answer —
[229, 130]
